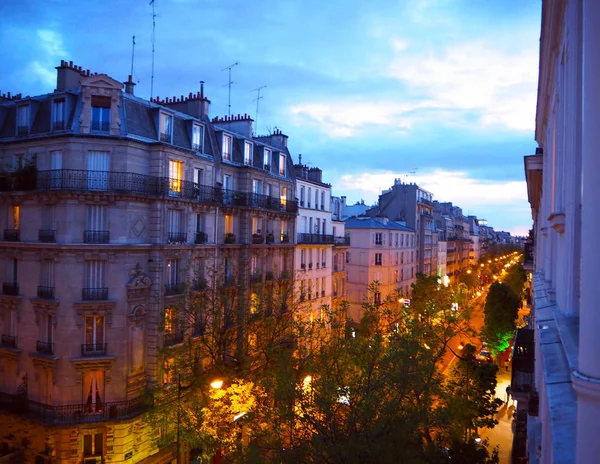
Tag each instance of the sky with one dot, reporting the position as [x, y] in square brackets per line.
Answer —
[437, 92]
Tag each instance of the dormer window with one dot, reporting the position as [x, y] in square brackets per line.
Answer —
[197, 137]
[267, 159]
[247, 153]
[23, 120]
[100, 113]
[166, 128]
[282, 164]
[226, 147]
[58, 115]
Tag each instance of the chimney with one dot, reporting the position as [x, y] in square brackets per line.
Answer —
[67, 76]
[279, 139]
[129, 84]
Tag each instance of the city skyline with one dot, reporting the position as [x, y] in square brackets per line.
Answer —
[441, 93]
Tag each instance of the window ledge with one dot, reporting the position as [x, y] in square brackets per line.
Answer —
[557, 221]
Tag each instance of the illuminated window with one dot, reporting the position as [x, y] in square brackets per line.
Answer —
[283, 196]
[175, 176]
[16, 216]
[228, 224]
[378, 259]
[93, 389]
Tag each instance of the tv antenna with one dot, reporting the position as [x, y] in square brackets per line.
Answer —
[257, 99]
[228, 68]
[153, 40]
[132, 54]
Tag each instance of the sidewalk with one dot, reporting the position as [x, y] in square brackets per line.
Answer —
[502, 433]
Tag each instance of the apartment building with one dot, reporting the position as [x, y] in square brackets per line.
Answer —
[563, 190]
[413, 205]
[114, 211]
[381, 250]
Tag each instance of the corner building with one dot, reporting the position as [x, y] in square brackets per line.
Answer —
[113, 210]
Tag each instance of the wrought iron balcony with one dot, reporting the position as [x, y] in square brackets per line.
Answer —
[173, 338]
[285, 238]
[323, 265]
[201, 237]
[177, 237]
[47, 236]
[12, 235]
[270, 238]
[8, 341]
[257, 239]
[96, 236]
[315, 239]
[44, 347]
[72, 414]
[93, 349]
[341, 241]
[229, 238]
[102, 126]
[46, 293]
[10, 288]
[174, 289]
[93, 294]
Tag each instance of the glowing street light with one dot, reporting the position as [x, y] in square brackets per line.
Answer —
[216, 384]
[239, 416]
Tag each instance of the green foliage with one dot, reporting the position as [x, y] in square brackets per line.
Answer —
[501, 312]
[515, 278]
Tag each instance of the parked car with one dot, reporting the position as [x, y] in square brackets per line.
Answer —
[484, 356]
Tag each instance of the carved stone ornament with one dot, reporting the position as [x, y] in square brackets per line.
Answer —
[557, 221]
[93, 308]
[10, 303]
[94, 364]
[137, 315]
[41, 307]
[138, 286]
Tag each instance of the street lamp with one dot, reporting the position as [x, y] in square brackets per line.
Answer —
[216, 384]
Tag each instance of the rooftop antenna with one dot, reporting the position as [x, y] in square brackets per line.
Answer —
[132, 54]
[228, 68]
[153, 37]
[257, 99]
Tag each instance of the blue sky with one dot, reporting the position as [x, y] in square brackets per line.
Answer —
[438, 92]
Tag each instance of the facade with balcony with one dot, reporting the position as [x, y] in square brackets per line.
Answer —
[380, 250]
[115, 209]
[563, 254]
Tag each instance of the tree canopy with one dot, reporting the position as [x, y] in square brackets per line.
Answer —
[501, 311]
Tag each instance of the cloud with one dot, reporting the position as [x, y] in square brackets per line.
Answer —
[51, 42]
[41, 73]
[497, 85]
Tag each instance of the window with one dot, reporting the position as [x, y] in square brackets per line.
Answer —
[247, 153]
[377, 298]
[302, 195]
[316, 199]
[302, 258]
[396, 276]
[226, 147]
[175, 177]
[378, 238]
[58, 114]
[95, 231]
[198, 138]
[309, 196]
[100, 113]
[257, 186]
[166, 128]
[23, 120]
[199, 176]
[283, 196]
[94, 335]
[397, 258]
[15, 216]
[322, 200]
[56, 166]
[93, 444]
[282, 164]
[94, 280]
[256, 225]
[46, 289]
[323, 285]
[267, 159]
[378, 259]
[98, 166]
[175, 226]
[172, 271]
[93, 390]
[228, 224]
[402, 258]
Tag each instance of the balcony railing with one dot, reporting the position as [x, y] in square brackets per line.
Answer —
[177, 237]
[315, 239]
[96, 236]
[93, 349]
[130, 183]
[174, 289]
[8, 341]
[94, 294]
[72, 414]
[46, 293]
[12, 235]
[10, 288]
[229, 238]
[285, 238]
[44, 347]
[201, 237]
[173, 338]
[342, 241]
[257, 239]
[47, 236]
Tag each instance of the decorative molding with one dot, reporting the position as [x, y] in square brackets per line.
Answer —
[137, 315]
[10, 354]
[42, 361]
[41, 306]
[138, 287]
[544, 231]
[83, 365]
[11, 303]
[557, 221]
[92, 308]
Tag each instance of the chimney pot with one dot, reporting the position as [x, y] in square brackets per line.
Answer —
[8, 95]
[70, 64]
[201, 89]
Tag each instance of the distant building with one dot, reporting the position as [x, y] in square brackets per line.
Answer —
[383, 251]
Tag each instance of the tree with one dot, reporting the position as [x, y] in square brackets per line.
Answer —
[501, 311]
[515, 278]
